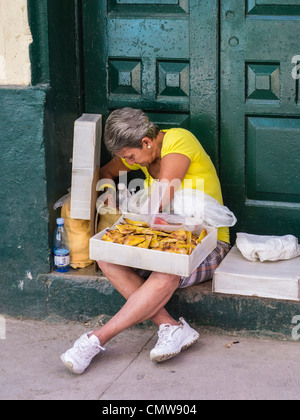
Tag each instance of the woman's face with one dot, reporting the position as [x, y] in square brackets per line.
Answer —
[142, 156]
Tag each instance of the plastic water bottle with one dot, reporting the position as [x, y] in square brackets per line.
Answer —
[61, 248]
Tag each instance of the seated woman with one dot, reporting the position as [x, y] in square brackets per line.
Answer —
[137, 143]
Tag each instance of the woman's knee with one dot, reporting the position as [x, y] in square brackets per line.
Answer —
[103, 265]
[163, 281]
[112, 269]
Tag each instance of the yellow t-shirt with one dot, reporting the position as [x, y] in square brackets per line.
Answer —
[201, 173]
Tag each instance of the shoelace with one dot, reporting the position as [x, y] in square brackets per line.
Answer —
[86, 351]
[165, 334]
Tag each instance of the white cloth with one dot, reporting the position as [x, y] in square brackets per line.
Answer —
[267, 248]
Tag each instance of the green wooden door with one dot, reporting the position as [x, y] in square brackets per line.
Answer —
[242, 102]
[260, 114]
[158, 55]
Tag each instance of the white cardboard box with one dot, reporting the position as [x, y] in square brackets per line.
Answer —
[86, 156]
[238, 276]
[148, 259]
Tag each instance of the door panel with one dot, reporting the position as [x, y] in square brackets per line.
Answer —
[269, 145]
[260, 114]
[134, 7]
[277, 8]
[154, 60]
[160, 56]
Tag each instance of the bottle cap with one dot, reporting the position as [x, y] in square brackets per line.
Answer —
[60, 221]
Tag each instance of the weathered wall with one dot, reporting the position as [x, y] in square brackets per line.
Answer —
[24, 249]
[15, 37]
[38, 107]
[24, 246]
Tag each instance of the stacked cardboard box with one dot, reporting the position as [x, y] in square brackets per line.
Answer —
[86, 159]
[238, 276]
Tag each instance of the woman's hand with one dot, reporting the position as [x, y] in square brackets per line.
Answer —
[106, 184]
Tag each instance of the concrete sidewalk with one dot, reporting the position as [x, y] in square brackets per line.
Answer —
[30, 367]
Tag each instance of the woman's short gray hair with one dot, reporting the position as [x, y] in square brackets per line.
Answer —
[126, 127]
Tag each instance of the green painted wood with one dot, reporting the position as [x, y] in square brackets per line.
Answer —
[260, 114]
[39, 50]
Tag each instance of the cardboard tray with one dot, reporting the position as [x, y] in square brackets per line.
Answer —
[148, 259]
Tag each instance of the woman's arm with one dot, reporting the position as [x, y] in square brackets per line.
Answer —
[112, 169]
[173, 169]
[109, 172]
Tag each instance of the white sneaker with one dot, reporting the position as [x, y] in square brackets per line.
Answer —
[78, 358]
[172, 339]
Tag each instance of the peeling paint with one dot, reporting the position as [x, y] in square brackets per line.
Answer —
[22, 282]
[29, 275]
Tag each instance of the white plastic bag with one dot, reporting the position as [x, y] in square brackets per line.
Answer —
[136, 201]
[267, 248]
[62, 200]
[193, 205]
[200, 206]
[148, 201]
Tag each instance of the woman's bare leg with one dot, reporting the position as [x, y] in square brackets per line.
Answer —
[127, 281]
[145, 300]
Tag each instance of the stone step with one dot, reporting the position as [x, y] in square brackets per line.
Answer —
[85, 294]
